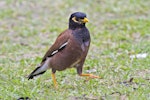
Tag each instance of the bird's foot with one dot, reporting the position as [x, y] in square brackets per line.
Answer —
[90, 75]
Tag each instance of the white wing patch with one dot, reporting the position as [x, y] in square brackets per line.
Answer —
[54, 52]
[60, 48]
[63, 45]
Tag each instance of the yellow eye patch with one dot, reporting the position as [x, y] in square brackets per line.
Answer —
[80, 20]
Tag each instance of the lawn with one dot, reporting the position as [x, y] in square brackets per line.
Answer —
[120, 34]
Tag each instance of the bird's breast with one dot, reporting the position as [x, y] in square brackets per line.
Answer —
[84, 45]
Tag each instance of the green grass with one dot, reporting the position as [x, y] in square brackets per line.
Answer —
[119, 28]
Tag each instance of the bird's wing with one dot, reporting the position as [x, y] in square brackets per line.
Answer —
[59, 44]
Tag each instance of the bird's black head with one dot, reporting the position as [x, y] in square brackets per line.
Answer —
[77, 20]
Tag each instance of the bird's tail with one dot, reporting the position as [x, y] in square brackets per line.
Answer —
[38, 71]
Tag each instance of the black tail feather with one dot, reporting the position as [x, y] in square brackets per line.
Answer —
[31, 76]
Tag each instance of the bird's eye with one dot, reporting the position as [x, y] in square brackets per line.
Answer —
[77, 19]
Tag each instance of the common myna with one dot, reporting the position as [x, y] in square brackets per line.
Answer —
[69, 50]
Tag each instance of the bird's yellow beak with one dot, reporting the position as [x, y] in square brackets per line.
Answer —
[85, 20]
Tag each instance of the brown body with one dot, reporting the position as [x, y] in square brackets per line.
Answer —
[60, 61]
[69, 50]
[73, 55]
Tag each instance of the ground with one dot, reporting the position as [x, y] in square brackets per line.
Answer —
[119, 32]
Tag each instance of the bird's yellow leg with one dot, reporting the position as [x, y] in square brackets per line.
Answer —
[90, 75]
[54, 80]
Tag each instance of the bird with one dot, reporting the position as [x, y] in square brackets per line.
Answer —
[69, 49]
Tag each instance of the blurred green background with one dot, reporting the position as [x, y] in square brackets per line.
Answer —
[120, 30]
